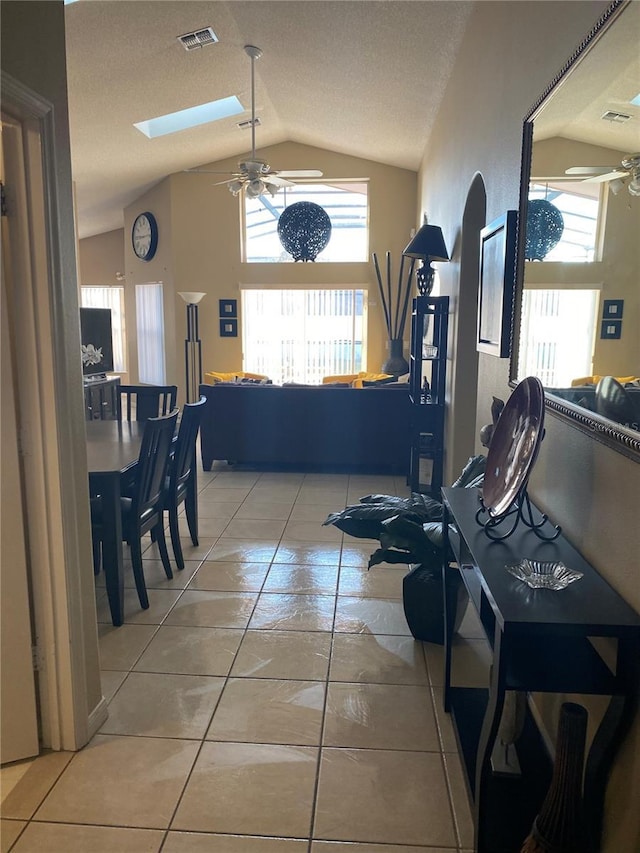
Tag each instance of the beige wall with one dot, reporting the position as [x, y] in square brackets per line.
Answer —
[101, 258]
[511, 52]
[199, 248]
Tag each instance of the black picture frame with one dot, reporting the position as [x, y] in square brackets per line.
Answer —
[612, 309]
[228, 307]
[228, 327]
[611, 330]
[496, 285]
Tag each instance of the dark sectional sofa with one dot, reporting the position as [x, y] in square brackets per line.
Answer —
[323, 427]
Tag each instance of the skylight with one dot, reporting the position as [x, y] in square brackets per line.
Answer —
[191, 117]
[635, 101]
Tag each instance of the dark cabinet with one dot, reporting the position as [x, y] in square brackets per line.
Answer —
[541, 642]
[102, 398]
[428, 363]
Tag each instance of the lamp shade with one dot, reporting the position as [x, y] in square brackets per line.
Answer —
[191, 297]
[428, 243]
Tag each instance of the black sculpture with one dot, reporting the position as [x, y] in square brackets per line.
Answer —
[304, 229]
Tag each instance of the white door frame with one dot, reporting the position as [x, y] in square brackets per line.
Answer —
[51, 425]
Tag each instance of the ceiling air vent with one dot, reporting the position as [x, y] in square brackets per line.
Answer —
[246, 124]
[191, 41]
[612, 115]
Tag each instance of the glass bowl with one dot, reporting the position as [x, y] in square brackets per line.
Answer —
[541, 575]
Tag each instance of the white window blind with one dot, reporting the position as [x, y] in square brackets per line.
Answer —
[303, 335]
[150, 326]
[546, 350]
[92, 296]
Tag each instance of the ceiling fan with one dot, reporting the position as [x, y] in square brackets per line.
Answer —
[255, 176]
[629, 167]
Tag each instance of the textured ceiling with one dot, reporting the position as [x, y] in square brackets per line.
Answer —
[360, 78]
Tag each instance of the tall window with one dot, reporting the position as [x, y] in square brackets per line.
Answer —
[150, 325]
[303, 335]
[346, 203]
[113, 298]
[546, 350]
[579, 204]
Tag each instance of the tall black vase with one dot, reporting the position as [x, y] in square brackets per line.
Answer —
[396, 364]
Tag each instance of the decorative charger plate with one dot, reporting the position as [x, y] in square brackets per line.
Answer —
[514, 446]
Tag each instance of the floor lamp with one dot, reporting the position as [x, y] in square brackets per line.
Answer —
[192, 346]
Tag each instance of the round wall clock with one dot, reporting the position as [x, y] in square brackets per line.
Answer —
[144, 236]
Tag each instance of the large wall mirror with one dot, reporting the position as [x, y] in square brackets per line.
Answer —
[577, 307]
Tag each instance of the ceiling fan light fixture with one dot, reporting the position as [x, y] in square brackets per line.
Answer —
[634, 184]
[255, 188]
[235, 187]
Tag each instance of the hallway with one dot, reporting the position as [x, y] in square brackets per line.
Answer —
[271, 700]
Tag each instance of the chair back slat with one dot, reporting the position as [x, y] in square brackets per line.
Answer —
[153, 461]
[184, 453]
[147, 401]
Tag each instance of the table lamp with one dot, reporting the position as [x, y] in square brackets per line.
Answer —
[427, 245]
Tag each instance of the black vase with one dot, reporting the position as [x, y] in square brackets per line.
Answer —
[396, 364]
[423, 602]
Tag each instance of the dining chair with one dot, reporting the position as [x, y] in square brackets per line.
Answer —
[181, 471]
[143, 510]
[141, 402]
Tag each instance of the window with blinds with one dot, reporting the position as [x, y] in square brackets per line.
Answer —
[303, 335]
[150, 328]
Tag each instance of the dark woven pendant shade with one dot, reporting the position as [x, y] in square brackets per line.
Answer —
[304, 229]
[544, 229]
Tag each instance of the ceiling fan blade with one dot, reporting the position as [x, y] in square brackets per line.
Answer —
[277, 181]
[610, 176]
[299, 173]
[590, 170]
[209, 171]
[228, 181]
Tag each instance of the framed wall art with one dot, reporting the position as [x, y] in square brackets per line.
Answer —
[496, 285]
[228, 328]
[228, 307]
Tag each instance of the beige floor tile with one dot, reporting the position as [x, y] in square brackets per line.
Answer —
[348, 847]
[163, 705]
[470, 662]
[110, 681]
[312, 512]
[311, 531]
[243, 551]
[356, 552]
[215, 493]
[9, 831]
[461, 810]
[380, 716]
[371, 583]
[28, 792]
[370, 616]
[257, 789]
[213, 609]
[320, 495]
[11, 774]
[377, 658]
[70, 838]
[230, 577]
[254, 528]
[208, 528]
[471, 626]
[91, 789]
[310, 553]
[293, 612]
[286, 494]
[263, 710]
[222, 510]
[283, 654]
[263, 510]
[160, 603]
[191, 650]
[200, 842]
[155, 577]
[121, 647]
[189, 550]
[285, 577]
[384, 797]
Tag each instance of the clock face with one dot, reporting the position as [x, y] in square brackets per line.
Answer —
[144, 236]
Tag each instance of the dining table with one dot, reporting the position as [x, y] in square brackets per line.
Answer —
[112, 454]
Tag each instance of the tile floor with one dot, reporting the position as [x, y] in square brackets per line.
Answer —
[270, 700]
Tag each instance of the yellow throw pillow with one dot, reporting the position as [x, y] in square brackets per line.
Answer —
[593, 380]
[347, 377]
[363, 377]
[214, 376]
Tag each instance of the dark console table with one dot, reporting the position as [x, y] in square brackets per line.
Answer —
[540, 643]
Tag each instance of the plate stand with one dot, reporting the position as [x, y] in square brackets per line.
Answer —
[519, 511]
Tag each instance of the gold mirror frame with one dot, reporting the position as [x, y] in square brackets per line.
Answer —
[620, 439]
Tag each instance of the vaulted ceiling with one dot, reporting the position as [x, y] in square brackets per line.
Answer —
[357, 77]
